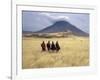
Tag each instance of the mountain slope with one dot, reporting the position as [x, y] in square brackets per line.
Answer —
[63, 26]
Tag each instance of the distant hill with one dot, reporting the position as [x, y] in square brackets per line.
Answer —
[63, 26]
[27, 32]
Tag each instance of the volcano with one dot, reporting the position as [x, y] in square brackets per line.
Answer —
[63, 26]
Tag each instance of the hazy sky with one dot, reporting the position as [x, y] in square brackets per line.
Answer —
[35, 21]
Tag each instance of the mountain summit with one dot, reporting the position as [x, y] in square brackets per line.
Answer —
[63, 26]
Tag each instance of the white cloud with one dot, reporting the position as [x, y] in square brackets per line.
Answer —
[61, 17]
[46, 14]
[55, 17]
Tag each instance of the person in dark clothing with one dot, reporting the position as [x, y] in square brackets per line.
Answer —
[43, 46]
[53, 47]
[57, 46]
[48, 45]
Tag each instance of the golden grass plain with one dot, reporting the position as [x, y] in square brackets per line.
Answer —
[74, 52]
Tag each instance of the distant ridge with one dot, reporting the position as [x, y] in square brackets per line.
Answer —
[25, 32]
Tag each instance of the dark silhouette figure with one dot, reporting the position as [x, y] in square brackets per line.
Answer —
[43, 46]
[48, 45]
[53, 47]
[57, 46]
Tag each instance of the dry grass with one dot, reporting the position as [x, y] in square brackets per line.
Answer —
[74, 52]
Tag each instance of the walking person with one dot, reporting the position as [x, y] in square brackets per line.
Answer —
[53, 47]
[48, 45]
[57, 46]
[43, 46]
